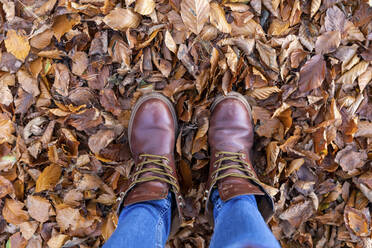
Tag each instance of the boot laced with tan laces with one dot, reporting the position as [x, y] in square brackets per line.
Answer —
[152, 134]
[230, 138]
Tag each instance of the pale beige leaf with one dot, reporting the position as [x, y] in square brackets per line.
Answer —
[62, 79]
[169, 42]
[364, 129]
[144, 7]
[267, 55]
[57, 241]
[281, 109]
[328, 42]
[349, 76]
[232, 59]
[100, 140]
[38, 208]
[17, 44]
[6, 96]
[28, 229]
[264, 92]
[48, 178]
[116, 21]
[52, 54]
[218, 19]
[7, 129]
[195, 14]
[365, 78]
[315, 4]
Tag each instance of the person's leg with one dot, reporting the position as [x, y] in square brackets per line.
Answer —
[145, 224]
[238, 223]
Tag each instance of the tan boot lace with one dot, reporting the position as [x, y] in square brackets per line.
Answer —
[165, 170]
[240, 165]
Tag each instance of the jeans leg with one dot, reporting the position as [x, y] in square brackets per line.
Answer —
[143, 225]
[239, 224]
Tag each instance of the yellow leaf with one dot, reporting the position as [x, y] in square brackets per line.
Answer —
[64, 23]
[17, 45]
[48, 178]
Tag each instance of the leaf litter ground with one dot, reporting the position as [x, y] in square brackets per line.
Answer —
[70, 71]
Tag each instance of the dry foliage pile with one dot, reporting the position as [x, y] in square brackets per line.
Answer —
[71, 70]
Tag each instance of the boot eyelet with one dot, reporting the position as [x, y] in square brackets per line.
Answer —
[216, 155]
[243, 156]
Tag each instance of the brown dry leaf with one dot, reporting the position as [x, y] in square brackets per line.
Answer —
[6, 187]
[42, 40]
[51, 54]
[109, 225]
[218, 19]
[57, 241]
[144, 7]
[365, 78]
[48, 178]
[38, 208]
[335, 19]
[100, 140]
[278, 27]
[28, 83]
[272, 153]
[295, 165]
[6, 96]
[267, 55]
[350, 160]
[315, 4]
[349, 76]
[62, 79]
[63, 24]
[297, 213]
[169, 42]
[264, 92]
[13, 213]
[364, 129]
[80, 63]
[232, 59]
[328, 42]
[17, 45]
[45, 8]
[116, 21]
[357, 221]
[312, 73]
[195, 14]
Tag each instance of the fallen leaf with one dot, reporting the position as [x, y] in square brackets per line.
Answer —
[28, 83]
[349, 159]
[13, 213]
[16, 240]
[42, 40]
[232, 59]
[48, 178]
[349, 76]
[335, 19]
[28, 229]
[100, 140]
[116, 21]
[267, 55]
[328, 42]
[312, 73]
[217, 18]
[294, 166]
[57, 241]
[63, 24]
[80, 63]
[195, 14]
[169, 42]
[264, 92]
[358, 221]
[38, 208]
[272, 153]
[315, 4]
[62, 79]
[17, 45]
[144, 7]
[6, 187]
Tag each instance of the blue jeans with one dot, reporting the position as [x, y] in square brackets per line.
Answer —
[238, 223]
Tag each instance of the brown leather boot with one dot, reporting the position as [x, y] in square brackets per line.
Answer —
[230, 138]
[152, 134]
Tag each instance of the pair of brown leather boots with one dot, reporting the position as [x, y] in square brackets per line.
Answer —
[152, 135]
